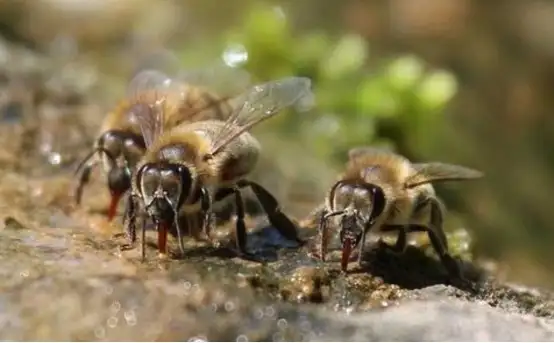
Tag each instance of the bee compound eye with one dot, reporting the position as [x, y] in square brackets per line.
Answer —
[119, 180]
[112, 143]
[149, 179]
[171, 182]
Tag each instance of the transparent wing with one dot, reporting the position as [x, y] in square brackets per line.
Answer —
[437, 171]
[147, 92]
[220, 79]
[262, 102]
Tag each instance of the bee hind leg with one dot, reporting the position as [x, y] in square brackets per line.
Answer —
[440, 244]
[271, 207]
[240, 228]
[401, 241]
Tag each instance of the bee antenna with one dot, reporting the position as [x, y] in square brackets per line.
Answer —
[90, 155]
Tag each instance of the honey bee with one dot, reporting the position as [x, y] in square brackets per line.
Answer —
[192, 167]
[381, 191]
[190, 96]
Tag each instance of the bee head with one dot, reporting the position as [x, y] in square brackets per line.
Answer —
[164, 187]
[119, 152]
[361, 204]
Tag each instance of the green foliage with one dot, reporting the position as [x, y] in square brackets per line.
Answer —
[358, 101]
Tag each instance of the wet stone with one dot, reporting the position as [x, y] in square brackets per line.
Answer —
[64, 274]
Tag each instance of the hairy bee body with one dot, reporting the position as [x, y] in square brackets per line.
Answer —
[381, 191]
[389, 171]
[188, 144]
[120, 144]
[192, 167]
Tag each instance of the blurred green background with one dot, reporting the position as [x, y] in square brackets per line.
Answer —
[459, 81]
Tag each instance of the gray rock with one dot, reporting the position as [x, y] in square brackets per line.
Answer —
[439, 320]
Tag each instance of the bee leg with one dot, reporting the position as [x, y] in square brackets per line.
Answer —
[271, 207]
[130, 228]
[240, 229]
[143, 240]
[362, 244]
[84, 179]
[206, 205]
[178, 228]
[323, 236]
[440, 243]
[401, 241]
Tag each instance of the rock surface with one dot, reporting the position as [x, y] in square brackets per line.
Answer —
[64, 277]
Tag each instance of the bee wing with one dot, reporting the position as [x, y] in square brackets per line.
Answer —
[147, 91]
[437, 171]
[262, 102]
[220, 79]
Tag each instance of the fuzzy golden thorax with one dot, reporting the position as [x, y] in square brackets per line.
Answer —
[173, 172]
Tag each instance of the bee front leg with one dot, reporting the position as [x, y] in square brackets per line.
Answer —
[179, 229]
[84, 179]
[323, 236]
[271, 207]
[240, 228]
[130, 215]
[401, 241]
[360, 256]
[206, 206]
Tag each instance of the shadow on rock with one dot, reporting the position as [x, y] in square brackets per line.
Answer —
[413, 269]
[263, 245]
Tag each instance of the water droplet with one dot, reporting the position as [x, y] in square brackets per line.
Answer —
[282, 324]
[108, 290]
[24, 273]
[54, 158]
[270, 311]
[242, 338]
[187, 286]
[198, 339]
[235, 55]
[115, 307]
[112, 322]
[278, 337]
[305, 325]
[130, 317]
[100, 332]
[258, 313]
[229, 306]
[45, 148]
